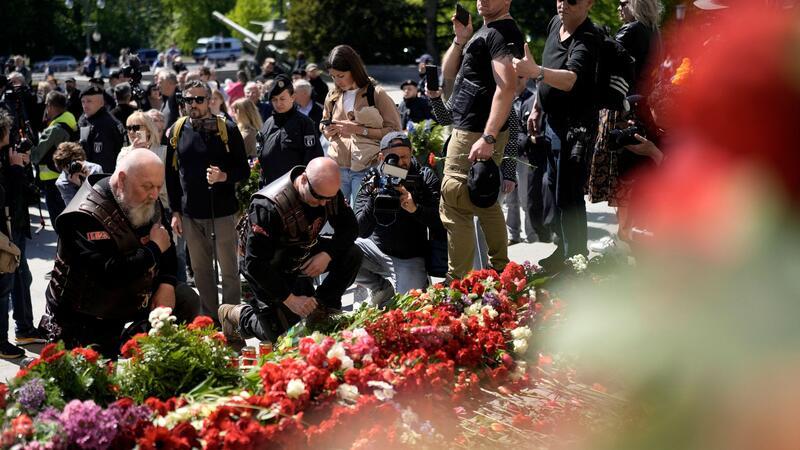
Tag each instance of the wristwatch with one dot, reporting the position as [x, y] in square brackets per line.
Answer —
[540, 77]
[365, 132]
[489, 138]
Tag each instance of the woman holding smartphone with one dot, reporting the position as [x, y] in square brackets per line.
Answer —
[356, 116]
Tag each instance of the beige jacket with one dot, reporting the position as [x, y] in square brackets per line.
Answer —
[360, 152]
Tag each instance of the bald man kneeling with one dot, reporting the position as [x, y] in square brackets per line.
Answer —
[281, 252]
[115, 259]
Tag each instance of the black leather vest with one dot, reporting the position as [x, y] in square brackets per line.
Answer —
[74, 285]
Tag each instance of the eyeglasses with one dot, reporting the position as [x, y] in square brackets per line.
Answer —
[199, 99]
[133, 128]
[315, 194]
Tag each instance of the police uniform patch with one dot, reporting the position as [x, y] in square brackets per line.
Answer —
[98, 147]
[309, 140]
[97, 235]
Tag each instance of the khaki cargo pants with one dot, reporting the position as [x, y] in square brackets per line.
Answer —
[457, 211]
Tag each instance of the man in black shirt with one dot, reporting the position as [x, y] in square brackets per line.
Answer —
[205, 160]
[281, 251]
[565, 107]
[479, 69]
[168, 85]
[124, 109]
[288, 138]
[394, 243]
[101, 134]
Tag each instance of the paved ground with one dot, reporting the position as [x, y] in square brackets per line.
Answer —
[41, 250]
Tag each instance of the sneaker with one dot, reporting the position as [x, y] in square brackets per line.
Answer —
[381, 297]
[605, 245]
[10, 351]
[30, 337]
[229, 318]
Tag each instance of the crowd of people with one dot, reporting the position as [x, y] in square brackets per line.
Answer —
[142, 189]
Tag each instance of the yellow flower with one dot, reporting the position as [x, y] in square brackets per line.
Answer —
[682, 73]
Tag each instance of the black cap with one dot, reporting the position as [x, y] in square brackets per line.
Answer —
[484, 183]
[407, 82]
[70, 79]
[91, 90]
[96, 81]
[280, 84]
[114, 74]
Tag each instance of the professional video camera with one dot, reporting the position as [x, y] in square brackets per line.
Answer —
[133, 71]
[391, 176]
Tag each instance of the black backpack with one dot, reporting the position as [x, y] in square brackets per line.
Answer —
[613, 74]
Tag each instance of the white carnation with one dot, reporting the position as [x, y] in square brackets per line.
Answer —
[295, 388]
[520, 346]
[384, 391]
[492, 313]
[347, 392]
[521, 333]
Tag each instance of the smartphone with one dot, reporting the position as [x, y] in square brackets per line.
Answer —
[431, 77]
[141, 136]
[462, 15]
[326, 122]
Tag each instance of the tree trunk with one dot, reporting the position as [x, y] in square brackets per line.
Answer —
[431, 7]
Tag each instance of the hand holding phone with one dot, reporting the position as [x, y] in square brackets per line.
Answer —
[431, 77]
[462, 15]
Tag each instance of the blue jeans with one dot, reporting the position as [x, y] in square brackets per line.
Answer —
[351, 183]
[21, 290]
[377, 268]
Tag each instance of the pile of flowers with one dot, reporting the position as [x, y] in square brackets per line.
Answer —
[401, 377]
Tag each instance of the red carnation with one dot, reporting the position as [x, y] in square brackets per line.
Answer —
[200, 322]
[88, 354]
[162, 439]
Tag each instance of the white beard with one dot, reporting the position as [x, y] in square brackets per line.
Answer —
[137, 215]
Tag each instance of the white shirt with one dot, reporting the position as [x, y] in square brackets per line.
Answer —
[349, 100]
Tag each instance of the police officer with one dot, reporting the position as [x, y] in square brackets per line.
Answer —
[288, 138]
[281, 252]
[115, 259]
[101, 135]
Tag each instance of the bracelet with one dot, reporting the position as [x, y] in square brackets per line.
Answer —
[540, 77]
[455, 42]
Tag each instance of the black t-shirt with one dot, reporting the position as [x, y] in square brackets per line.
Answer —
[494, 40]
[561, 106]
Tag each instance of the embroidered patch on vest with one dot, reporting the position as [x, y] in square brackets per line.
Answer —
[257, 229]
[97, 235]
[309, 140]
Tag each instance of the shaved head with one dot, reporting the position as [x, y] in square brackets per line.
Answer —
[320, 182]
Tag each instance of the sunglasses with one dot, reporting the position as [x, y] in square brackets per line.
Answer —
[133, 128]
[199, 99]
[315, 194]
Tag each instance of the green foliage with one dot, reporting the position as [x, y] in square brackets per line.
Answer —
[378, 30]
[175, 360]
[184, 21]
[246, 189]
[426, 137]
[246, 11]
[78, 374]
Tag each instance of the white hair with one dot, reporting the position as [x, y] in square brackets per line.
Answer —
[303, 85]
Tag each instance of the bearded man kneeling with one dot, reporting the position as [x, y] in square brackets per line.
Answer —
[115, 260]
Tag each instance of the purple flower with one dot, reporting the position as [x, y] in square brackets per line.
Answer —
[31, 395]
[130, 416]
[49, 414]
[88, 426]
[490, 299]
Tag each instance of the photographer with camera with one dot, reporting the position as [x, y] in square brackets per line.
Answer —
[396, 206]
[70, 160]
[63, 127]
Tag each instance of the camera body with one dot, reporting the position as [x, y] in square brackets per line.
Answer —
[133, 71]
[619, 138]
[74, 167]
[390, 177]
